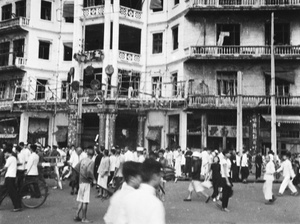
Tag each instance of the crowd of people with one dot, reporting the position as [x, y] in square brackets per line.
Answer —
[135, 175]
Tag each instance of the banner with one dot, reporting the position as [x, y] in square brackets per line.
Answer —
[225, 131]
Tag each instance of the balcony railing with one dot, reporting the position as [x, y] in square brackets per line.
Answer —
[93, 11]
[131, 13]
[255, 51]
[243, 3]
[129, 57]
[20, 21]
[9, 59]
[247, 101]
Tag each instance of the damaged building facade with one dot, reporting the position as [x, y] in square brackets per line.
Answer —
[167, 77]
[35, 57]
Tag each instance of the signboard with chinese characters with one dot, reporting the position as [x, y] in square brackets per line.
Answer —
[225, 131]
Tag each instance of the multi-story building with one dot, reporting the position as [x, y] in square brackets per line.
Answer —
[35, 57]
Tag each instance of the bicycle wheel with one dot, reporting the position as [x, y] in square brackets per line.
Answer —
[34, 194]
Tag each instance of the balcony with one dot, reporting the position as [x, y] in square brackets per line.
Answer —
[11, 25]
[5, 105]
[93, 11]
[229, 102]
[129, 57]
[243, 52]
[131, 14]
[229, 5]
[8, 61]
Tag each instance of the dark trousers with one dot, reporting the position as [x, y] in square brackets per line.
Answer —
[20, 178]
[74, 181]
[245, 173]
[226, 193]
[258, 171]
[216, 185]
[36, 193]
[11, 188]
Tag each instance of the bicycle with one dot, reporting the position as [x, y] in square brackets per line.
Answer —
[33, 193]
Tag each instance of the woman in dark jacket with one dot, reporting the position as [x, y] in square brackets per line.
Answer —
[216, 177]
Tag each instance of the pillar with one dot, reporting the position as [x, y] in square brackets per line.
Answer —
[72, 127]
[23, 132]
[203, 130]
[183, 130]
[112, 115]
[224, 141]
[141, 128]
[102, 121]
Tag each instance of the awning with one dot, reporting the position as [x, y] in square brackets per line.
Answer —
[288, 119]
[68, 11]
[284, 75]
[153, 135]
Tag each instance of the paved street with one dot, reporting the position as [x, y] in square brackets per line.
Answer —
[247, 206]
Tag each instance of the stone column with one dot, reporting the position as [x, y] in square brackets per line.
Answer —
[101, 138]
[203, 130]
[183, 130]
[141, 128]
[112, 128]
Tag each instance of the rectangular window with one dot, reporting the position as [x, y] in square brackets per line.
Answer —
[44, 50]
[4, 53]
[228, 34]
[156, 87]
[6, 12]
[159, 9]
[21, 8]
[68, 51]
[41, 88]
[176, 2]
[19, 47]
[175, 37]
[89, 3]
[46, 9]
[94, 37]
[282, 87]
[68, 12]
[64, 89]
[2, 89]
[227, 83]
[157, 43]
[174, 84]
[281, 34]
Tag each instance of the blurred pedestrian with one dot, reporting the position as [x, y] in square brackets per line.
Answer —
[258, 164]
[269, 178]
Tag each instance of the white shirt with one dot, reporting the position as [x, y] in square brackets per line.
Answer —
[119, 164]
[32, 164]
[244, 162]
[270, 170]
[128, 156]
[205, 158]
[238, 160]
[287, 169]
[21, 160]
[142, 207]
[113, 211]
[141, 158]
[11, 164]
[112, 163]
[27, 153]
[75, 159]
[225, 171]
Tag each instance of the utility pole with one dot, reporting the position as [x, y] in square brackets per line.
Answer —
[239, 120]
[273, 97]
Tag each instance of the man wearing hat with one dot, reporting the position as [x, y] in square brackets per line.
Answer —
[195, 184]
[288, 175]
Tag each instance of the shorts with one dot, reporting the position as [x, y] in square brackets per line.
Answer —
[196, 186]
[84, 193]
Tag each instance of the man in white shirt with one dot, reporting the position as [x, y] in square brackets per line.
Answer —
[21, 168]
[25, 150]
[205, 162]
[128, 155]
[244, 167]
[10, 180]
[112, 165]
[132, 177]
[32, 169]
[142, 205]
[288, 175]
[119, 165]
[269, 178]
[169, 156]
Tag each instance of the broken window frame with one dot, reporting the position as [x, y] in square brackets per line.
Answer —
[226, 83]
[234, 38]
